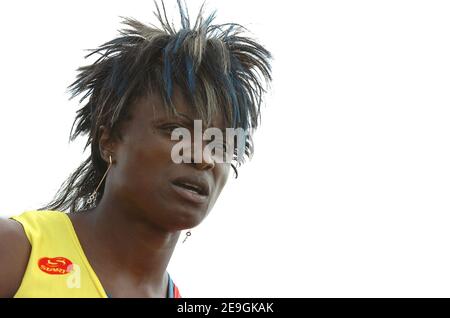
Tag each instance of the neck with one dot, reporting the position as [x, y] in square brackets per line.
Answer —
[128, 248]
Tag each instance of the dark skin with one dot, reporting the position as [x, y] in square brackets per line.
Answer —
[130, 236]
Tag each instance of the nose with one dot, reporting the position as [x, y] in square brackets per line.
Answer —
[207, 162]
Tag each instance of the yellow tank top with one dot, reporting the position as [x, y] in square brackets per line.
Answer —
[57, 266]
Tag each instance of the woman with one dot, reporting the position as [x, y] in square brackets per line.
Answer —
[112, 227]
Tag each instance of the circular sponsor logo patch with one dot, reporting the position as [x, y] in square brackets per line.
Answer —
[55, 265]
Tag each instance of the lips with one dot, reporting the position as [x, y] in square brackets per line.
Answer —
[196, 185]
[192, 189]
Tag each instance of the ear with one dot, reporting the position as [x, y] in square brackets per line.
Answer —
[107, 146]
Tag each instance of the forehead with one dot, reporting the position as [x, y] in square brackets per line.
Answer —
[151, 107]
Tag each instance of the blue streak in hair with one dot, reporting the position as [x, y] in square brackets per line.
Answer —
[237, 91]
[181, 36]
[210, 18]
[190, 74]
[236, 106]
[232, 92]
[184, 20]
[225, 35]
[167, 74]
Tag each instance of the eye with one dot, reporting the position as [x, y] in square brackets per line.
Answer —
[169, 128]
[223, 147]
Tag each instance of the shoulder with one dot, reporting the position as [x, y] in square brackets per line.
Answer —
[15, 250]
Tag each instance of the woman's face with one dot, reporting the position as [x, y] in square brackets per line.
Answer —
[145, 181]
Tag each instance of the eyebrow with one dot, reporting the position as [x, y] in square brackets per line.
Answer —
[164, 118]
[192, 120]
[185, 116]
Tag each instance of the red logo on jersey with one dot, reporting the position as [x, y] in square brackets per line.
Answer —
[55, 265]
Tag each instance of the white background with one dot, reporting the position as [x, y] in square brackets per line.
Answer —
[348, 192]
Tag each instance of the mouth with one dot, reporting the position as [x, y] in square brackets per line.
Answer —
[192, 189]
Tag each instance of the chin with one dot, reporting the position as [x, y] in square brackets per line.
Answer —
[188, 218]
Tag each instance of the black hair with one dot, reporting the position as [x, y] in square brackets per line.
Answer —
[217, 68]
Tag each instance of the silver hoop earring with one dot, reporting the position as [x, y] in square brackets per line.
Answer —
[93, 197]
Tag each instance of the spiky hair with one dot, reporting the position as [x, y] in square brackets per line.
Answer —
[217, 68]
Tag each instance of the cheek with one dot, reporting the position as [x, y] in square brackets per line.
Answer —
[146, 163]
[222, 173]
